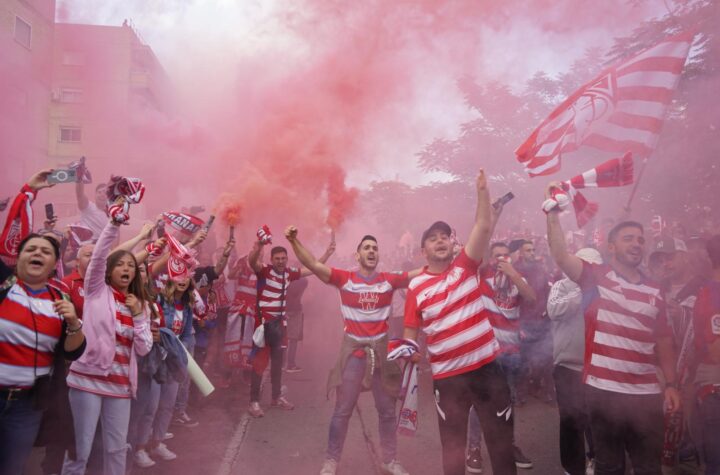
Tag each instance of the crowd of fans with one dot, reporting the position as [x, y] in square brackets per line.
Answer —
[619, 330]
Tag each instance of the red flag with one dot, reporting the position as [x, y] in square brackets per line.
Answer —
[621, 110]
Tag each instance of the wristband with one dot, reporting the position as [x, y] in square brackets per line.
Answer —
[671, 384]
[70, 332]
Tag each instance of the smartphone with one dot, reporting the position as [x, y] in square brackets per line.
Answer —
[63, 176]
[503, 199]
[49, 212]
[4, 203]
[160, 229]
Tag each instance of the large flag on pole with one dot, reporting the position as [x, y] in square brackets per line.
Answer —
[621, 110]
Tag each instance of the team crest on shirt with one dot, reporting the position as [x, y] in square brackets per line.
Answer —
[454, 275]
[368, 300]
[715, 324]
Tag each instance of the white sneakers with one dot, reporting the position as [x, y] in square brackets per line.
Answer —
[255, 410]
[163, 452]
[329, 467]
[394, 468]
[142, 459]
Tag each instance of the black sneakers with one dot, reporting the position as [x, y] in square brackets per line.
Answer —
[473, 462]
[521, 460]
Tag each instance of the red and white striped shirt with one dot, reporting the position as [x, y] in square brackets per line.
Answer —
[22, 312]
[505, 308]
[272, 287]
[117, 382]
[365, 302]
[623, 322]
[246, 290]
[451, 308]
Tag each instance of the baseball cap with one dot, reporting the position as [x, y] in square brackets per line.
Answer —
[669, 244]
[441, 226]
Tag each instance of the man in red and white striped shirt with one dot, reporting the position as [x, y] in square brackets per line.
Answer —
[365, 304]
[446, 301]
[627, 336]
[272, 283]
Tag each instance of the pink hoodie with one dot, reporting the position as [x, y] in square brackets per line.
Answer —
[99, 317]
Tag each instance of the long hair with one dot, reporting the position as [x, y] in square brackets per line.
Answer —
[150, 292]
[136, 286]
[188, 297]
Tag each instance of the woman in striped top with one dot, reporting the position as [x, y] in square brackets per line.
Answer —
[104, 380]
[36, 325]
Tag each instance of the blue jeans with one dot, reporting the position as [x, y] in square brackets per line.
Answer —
[143, 410]
[19, 424]
[347, 396]
[164, 413]
[184, 389]
[709, 412]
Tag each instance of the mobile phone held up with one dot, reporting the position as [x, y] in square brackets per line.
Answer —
[503, 200]
[63, 176]
[160, 229]
[49, 212]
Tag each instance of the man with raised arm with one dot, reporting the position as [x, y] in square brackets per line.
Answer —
[366, 297]
[272, 283]
[449, 303]
[627, 336]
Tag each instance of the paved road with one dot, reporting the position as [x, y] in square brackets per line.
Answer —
[293, 442]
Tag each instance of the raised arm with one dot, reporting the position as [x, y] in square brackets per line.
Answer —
[312, 265]
[255, 255]
[481, 231]
[131, 243]
[95, 274]
[222, 262]
[82, 201]
[570, 264]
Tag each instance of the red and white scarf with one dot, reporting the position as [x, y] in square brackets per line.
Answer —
[401, 350]
[131, 190]
[612, 173]
[182, 262]
[18, 225]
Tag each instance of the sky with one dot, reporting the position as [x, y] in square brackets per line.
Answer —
[440, 41]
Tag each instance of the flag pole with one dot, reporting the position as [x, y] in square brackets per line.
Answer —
[635, 187]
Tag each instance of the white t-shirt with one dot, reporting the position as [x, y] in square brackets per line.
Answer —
[95, 219]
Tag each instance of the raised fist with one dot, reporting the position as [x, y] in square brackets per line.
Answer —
[264, 235]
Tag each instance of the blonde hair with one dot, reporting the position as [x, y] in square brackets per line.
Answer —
[188, 297]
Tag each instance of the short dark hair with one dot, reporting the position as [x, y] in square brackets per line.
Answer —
[498, 244]
[367, 237]
[713, 250]
[277, 250]
[612, 235]
[55, 245]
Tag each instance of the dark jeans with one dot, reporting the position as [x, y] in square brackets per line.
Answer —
[709, 412]
[19, 424]
[574, 424]
[273, 340]
[291, 352]
[625, 422]
[347, 396]
[486, 390]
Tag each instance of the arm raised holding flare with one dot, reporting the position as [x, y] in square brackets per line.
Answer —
[570, 264]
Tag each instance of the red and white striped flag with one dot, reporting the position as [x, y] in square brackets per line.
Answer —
[621, 110]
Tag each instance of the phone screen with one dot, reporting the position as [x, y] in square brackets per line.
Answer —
[49, 211]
